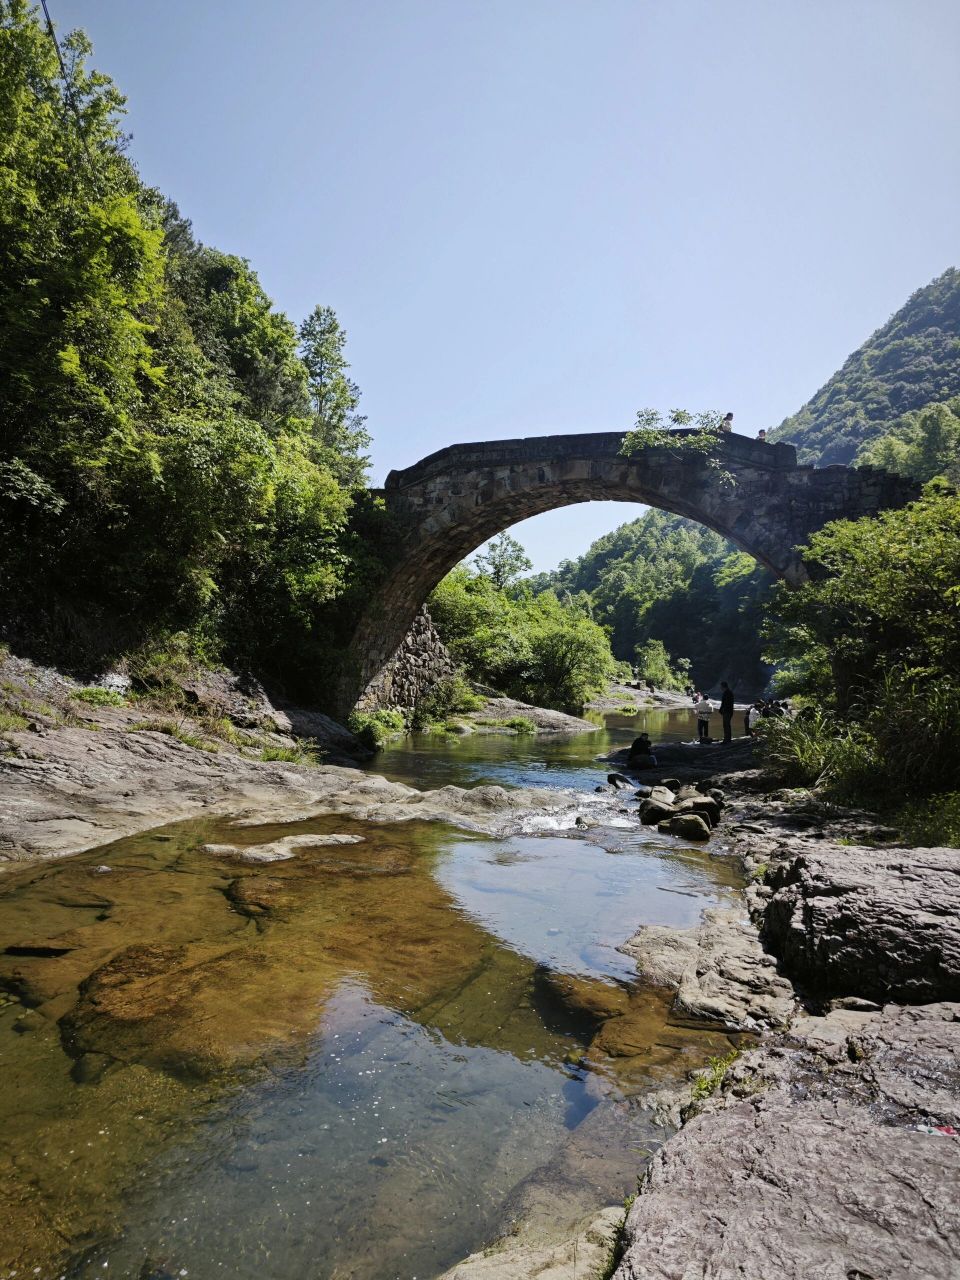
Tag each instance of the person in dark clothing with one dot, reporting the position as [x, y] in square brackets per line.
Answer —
[726, 711]
[641, 753]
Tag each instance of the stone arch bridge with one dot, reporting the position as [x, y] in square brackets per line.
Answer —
[451, 502]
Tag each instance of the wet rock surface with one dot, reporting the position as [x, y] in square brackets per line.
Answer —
[78, 789]
[826, 1154]
[582, 1254]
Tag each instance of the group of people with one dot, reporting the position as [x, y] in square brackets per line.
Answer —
[762, 709]
[726, 424]
[642, 755]
[705, 709]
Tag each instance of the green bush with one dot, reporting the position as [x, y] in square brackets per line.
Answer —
[291, 755]
[449, 696]
[376, 728]
[97, 697]
[536, 648]
[654, 663]
[932, 822]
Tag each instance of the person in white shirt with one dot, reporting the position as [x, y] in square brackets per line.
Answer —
[703, 707]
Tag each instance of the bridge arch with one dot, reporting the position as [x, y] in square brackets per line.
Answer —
[451, 502]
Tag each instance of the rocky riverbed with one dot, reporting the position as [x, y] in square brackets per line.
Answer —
[831, 1149]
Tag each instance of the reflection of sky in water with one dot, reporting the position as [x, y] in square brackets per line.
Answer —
[568, 904]
[435, 760]
[391, 1142]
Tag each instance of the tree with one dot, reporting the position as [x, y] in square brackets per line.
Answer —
[503, 561]
[923, 444]
[337, 426]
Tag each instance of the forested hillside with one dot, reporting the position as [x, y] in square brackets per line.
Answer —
[912, 361]
[663, 581]
[179, 462]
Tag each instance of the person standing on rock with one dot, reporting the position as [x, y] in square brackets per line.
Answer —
[726, 422]
[726, 711]
[703, 707]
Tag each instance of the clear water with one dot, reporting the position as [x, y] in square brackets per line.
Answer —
[547, 760]
[361, 1062]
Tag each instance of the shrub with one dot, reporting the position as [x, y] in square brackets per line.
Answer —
[932, 822]
[11, 722]
[449, 696]
[291, 755]
[376, 728]
[97, 697]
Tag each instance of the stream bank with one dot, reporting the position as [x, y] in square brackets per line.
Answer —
[833, 1147]
[849, 969]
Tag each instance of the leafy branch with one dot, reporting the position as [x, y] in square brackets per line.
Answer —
[653, 431]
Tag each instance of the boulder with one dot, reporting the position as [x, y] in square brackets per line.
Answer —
[620, 781]
[717, 970]
[883, 924]
[664, 795]
[652, 811]
[689, 826]
[706, 808]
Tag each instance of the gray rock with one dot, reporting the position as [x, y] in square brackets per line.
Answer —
[819, 1158]
[689, 826]
[652, 811]
[620, 781]
[718, 971]
[663, 794]
[706, 808]
[880, 924]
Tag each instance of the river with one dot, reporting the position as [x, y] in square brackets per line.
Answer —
[360, 1062]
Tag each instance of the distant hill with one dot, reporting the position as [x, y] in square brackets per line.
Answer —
[912, 361]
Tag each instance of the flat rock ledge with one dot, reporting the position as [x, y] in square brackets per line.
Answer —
[579, 1257]
[74, 789]
[828, 1154]
[718, 970]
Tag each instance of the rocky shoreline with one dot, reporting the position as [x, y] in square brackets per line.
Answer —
[831, 1149]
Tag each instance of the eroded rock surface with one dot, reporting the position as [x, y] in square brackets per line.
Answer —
[582, 1254]
[75, 789]
[719, 971]
[826, 1155]
[880, 923]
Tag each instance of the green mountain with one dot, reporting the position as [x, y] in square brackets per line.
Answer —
[912, 361]
[664, 580]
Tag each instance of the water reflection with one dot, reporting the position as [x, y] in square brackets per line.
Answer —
[347, 1064]
[547, 760]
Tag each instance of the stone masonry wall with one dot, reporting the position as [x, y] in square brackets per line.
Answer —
[421, 661]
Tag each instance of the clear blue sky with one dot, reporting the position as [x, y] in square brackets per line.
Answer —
[536, 216]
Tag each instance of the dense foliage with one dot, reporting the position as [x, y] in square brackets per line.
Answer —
[661, 578]
[922, 444]
[174, 456]
[874, 641]
[911, 362]
[530, 647]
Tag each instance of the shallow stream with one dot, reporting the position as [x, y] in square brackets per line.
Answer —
[362, 1062]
